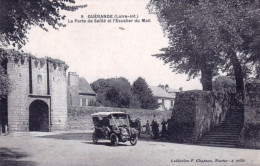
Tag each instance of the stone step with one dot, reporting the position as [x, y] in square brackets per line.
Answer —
[219, 139]
[219, 145]
[226, 130]
[227, 127]
[229, 124]
[224, 133]
[221, 136]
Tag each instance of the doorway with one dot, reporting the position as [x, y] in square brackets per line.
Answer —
[38, 116]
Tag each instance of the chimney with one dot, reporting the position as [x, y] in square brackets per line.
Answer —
[166, 88]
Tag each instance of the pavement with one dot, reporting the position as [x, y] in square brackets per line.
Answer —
[76, 149]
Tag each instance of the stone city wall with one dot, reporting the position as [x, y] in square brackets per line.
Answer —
[79, 118]
[195, 113]
[250, 136]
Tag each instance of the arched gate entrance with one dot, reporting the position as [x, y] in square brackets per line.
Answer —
[38, 116]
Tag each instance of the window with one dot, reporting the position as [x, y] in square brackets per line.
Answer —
[39, 79]
[171, 102]
[83, 102]
[162, 101]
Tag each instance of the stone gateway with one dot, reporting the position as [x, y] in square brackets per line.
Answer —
[38, 97]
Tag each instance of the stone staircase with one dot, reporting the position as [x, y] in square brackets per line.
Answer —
[226, 134]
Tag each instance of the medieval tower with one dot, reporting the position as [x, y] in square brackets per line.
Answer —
[38, 97]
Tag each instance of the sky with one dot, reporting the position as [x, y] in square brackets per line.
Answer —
[106, 50]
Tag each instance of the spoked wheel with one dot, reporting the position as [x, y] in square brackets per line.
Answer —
[133, 140]
[95, 138]
[114, 139]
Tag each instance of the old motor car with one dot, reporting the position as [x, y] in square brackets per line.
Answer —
[114, 126]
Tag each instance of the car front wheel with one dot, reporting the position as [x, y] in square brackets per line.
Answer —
[133, 140]
[114, 139]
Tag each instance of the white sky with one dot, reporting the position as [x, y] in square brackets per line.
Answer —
[102, 50]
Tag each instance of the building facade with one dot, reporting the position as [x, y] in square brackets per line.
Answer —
[80, 92]
[165, 99]
[38, 97]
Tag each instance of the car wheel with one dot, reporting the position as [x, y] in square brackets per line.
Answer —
[114, 139]
[133, 140]
[95, 138]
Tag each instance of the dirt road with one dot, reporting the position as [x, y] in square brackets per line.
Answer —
[76, 149]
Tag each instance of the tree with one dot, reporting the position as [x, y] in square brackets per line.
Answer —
[18, 16]
[224, 84]
[4, 83]
[144, 94]
[192, 46]
[238, 29]
[5, 87]
[100, 88]
[119, 93]
[206, 36]
[114, 92]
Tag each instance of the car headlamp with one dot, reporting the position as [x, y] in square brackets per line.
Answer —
[123, 131]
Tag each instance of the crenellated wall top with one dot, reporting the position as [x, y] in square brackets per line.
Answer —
[16, 56]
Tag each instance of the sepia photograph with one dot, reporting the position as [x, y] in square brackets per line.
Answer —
[129, 83]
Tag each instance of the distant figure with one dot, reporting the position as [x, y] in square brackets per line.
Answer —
[164, 130]
[169, 122]
[155, 129]
[147, 125]
[139, 126]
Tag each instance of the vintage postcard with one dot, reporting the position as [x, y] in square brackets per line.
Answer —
[129, 82]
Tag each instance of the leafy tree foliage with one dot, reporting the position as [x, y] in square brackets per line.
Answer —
[144, 94]
[205, 36]
[191, 48]
[224, 84]
[114, 92]
[100, 87]
[4, 83]
[17, 16]
[118, 92]
[4, 80]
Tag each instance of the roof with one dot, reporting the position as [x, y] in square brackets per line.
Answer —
[173, 90]
[105, 114]
[84, 87]
[159, 92]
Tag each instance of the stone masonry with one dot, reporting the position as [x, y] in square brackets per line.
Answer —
[250, 136]
[41, 80]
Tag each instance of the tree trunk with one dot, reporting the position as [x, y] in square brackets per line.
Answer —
[238, 72]
[206, 77]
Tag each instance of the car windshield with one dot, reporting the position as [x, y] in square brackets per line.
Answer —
[119, 120]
